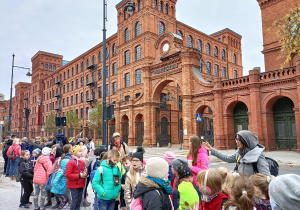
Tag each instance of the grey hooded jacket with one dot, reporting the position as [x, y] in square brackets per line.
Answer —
[255, 154]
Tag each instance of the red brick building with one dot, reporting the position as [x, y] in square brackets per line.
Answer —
[161, 73]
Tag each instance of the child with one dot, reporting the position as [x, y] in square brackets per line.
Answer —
[243, 193]
[26, 171]
[42, 171]
[15, 148]
[137, 169]
[108, 183]
[59, 186]
[210, 184]
[227, 180]
[35, 154]
[261, 191]
[187, 193]
[126, 161]
[64, 160]
[76, 174]
[90, 146]
[169, 157]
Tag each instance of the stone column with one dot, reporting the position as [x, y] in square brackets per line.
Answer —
[84, 133]
[117, 117]
[131, 137]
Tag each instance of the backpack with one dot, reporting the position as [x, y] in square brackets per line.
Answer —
[12, 155]
[100, 168]
[273, 166]
[18, 174]
[5, 151]
[94, 169]
[137, 203]
[49, 183]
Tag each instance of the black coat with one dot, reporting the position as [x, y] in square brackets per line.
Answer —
[6, 147]
[60, 138]
[154, 197]
[26, 169]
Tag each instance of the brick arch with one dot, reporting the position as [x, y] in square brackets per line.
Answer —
[161, 85]
[202, 106]
[124, 118]
[139, 117]
[230, 104]
[269, 101]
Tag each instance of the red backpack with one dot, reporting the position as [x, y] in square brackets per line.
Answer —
[12, 155]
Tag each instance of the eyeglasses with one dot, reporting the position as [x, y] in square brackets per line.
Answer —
[135, 161]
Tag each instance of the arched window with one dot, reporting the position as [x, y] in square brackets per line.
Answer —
[50, 67]
[77, 69]
[114, 68]
[234, 58]
[87, 62]
[216, 52]
[137, 29]
[161, 28]
[190, 41]
[82, 66]
[224, 72]
[126, 35]
[114, 49]
[167, 9]
[235, 73]
[161, 6]
[180, 34]
[138, 53]
[139, 5]
[72, 71]
[127, 57]
[94, 60]
[208, 68]
[54, 67]
[100, 57]
[46, 66]
[223, 55]
[208, 49]
[216, 70]
[155, 4]
[199, 43]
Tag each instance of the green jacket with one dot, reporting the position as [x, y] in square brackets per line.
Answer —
[104, 185]
[187, 193]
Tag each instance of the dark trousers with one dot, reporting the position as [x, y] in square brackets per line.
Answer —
[5, 165]
[86, 186]
[28, 189]
[76, 198]
[106, 205]
[63, 200]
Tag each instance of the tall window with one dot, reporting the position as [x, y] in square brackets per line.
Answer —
[126, 35]
[87, 79]
[114, 68]
[127, 79]
[137, 29]
[72, 71]
[100, 92]
[82, 96]
[72, 100]
[127, 57]
[87, 95]
[94, 93]
[87, 62]
[94, 76]
[100, 57]
[94, 60]
[201, 65]
[161, 6]
[107, 53]
[72, 85]
[234, 58]
[77, 69]
[63, 104]
[216, 70]
[82, 81]
[138, 53]
[50, 67]
[54, 67]
[77, 84]
[107, 90]
[155, 4]
[199, 43]
[68, 87]
[114, 49]
[107, 71]
[223, 55]
[208, 49]
[82, 66]
[216, 52]
[224, 72]
[208, 67]
[64, 77]
[167, 9]
[161, 28]
[190, 41]
[100, 74]
[138, 77]
[68, 101]
[125, 14]
[115, 88]
[180, 33]
[235, 74]
[139, 5]
[68, 73]
[46, 66]
[81, 112]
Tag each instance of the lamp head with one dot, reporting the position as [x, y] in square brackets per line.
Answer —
[130, 8]
[28, 74]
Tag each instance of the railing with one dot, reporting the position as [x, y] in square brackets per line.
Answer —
[278, 74]
[235, 82]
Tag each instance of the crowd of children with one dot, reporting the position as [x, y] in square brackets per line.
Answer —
[123, 180]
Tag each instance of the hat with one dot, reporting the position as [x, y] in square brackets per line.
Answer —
[46, 151]
[184, 172]
[139, 153]
[157, 167]
[284, 190]
[116, 134]
[36, 151]
[178, 162]
[76, 148]
[169, 157]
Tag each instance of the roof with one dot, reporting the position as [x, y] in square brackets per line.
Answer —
[226, 29]
[120, 3]
[47, 53]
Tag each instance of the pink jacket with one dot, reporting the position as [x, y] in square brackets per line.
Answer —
[16, 148]
[40, 174]
[202, 163]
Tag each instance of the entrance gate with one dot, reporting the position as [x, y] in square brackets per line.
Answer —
[125, 132]
[206, 130]
[241, 120]
[140, 133]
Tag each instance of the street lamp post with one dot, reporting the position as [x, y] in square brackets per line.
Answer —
[130, 8]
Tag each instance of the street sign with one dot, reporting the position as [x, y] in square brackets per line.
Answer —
[198, 118]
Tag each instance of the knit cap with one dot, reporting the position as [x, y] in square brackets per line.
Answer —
[184, 172]
[139, 153]
[46, 151]
[157, 167]
[76, 148]
[169, 157]
[284, 190]
[178, 162]
[36, 151]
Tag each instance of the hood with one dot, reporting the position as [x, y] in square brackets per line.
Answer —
[104, 164]
[59, 152]
[21, 161]
[249, 137]
[9, 142]
[60, 134]
[43, 159]
[144, 185]
[63, 165]
[253, 155]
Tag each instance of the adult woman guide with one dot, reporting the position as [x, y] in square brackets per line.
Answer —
[249, 152]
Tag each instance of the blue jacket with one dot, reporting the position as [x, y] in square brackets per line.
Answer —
[170, 172]
[104, 185]
[60, 181]
[27, 146]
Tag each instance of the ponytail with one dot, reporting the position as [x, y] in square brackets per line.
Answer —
[245, 202]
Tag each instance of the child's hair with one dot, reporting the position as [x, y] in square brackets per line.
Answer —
[125, 158]
[50, 139]
[66, 149]
[113, 153]
[214, 180]
[16, 141]
[242, 192]
[261, 181]
[195, 146]
[227, 180]
[104, 157]
[97, 152]
[23, 152]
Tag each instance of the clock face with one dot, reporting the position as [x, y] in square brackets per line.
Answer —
[166, 47]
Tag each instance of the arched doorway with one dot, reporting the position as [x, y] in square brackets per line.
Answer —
[241, 119]
[206, 126]
[284, 124]
[125, 128]
[139, 125]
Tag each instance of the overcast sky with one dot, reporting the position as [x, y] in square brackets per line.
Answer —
[71, 27]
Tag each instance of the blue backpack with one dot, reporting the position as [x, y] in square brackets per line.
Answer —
[94, 169]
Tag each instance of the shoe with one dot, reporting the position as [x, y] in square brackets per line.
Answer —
[23, 207]
[86, 203]
[11, 178]
[37, 208]
[7, 175]
[55, 206]
[48, 204]
[14, 178]
[29, 203]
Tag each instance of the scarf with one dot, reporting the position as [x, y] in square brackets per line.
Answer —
[210, 197]
[162, 183]
[117, 144]
[243, 152]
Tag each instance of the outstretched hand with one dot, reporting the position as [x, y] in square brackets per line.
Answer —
[195, 207]
[207, 146]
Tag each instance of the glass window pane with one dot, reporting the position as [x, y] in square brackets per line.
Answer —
[138, 77]
[138, 53]
[161, 28]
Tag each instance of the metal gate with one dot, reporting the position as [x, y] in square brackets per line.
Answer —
[140, 133]
[71, 132]
[206, 130]
[112, 130]
[163, 126]
[125, 132]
